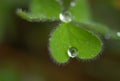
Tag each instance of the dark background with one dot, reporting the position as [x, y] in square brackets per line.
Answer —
[24, 54]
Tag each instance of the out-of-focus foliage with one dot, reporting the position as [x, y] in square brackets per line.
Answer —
[9, 74]
[7, 12]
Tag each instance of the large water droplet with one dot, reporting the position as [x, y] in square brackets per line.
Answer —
[72, 52]
[65, 17]
[118, 34]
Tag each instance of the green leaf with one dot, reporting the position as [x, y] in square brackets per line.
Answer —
[80, 11]
[41, 10]
[68, 36]
[27, 16]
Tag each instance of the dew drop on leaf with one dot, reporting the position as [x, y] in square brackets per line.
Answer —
[72, 52]
[65, 17]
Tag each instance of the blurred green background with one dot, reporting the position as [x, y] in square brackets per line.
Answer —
[24, 54]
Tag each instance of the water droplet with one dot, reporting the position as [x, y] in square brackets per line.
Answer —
[72, 3]
[72, 52]
[118, 34]
[65, 17]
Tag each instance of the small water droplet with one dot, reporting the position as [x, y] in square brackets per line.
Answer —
[72, 52]
[72, 3]
[118, 34]
[65, 17]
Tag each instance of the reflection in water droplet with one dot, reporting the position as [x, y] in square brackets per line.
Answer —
[118, 34]
[72, 4]
[65, 17]
[72, 52]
